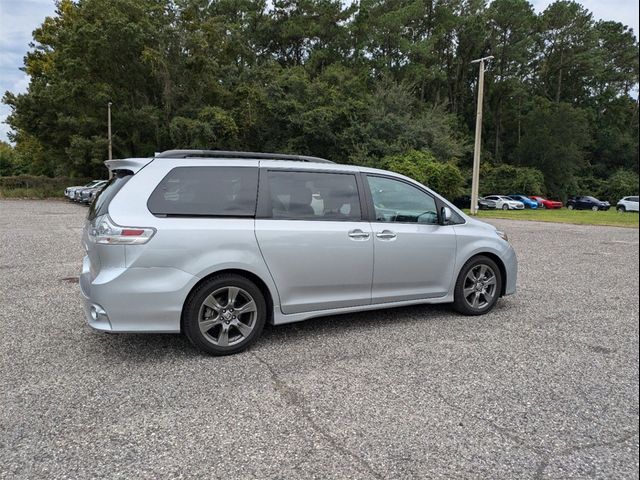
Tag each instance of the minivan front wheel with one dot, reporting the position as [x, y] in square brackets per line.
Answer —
[225, 315]
[478, 286]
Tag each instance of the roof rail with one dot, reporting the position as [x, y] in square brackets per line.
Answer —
[229, 154]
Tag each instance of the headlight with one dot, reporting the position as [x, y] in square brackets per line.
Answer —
[502, 235]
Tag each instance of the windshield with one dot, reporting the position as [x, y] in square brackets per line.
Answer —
[100, 205]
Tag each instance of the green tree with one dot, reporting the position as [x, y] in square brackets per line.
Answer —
[509, 179]
[555, 139]
[443, 177]
[8, 161]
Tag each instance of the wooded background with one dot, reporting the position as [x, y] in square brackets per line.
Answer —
[384, 83]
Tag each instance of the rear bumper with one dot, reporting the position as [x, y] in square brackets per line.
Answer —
[135, 299]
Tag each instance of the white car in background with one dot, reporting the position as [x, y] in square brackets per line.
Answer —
[627, 204]
[505, 203]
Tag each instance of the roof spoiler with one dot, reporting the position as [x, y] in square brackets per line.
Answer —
[130, 164]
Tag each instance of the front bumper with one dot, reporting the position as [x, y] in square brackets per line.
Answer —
[510, 261]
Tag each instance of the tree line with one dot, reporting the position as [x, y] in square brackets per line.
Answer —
[373, 82]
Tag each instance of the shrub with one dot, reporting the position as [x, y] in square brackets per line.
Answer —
[621, 184]
[443, 177]
[33, 186]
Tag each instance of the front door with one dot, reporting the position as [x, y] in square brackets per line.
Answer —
[414, 255]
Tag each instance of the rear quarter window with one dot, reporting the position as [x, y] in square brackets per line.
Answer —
[100, 205]
[206, 191]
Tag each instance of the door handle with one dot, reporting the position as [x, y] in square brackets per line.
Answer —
[358, 234]
[386, 235]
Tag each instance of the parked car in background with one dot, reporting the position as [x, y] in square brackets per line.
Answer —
[70, 192]
[587, 203]
[465, 202]
[87, 194]
[215, 244]
[527, 202]
[505, 203]
[81, 195]
[485, 204]
[627, 204]
[546, 203]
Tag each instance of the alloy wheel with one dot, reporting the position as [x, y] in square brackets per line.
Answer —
[227, 316]
[479, 288]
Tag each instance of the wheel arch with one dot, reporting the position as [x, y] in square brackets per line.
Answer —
[264, 289]
[498, 261]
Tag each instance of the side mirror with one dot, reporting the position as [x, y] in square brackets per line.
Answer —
[445, 215]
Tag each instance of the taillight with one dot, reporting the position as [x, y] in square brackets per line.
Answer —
[104, 231]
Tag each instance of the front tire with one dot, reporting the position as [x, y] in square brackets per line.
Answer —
[225, 315]
[622, 209]
[478, 286]
[505, 207]
[570, 207]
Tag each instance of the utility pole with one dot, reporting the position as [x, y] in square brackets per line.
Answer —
[109, 127]
[477, 146]
[109, 133]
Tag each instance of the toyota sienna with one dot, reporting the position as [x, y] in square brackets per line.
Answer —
[214, 244]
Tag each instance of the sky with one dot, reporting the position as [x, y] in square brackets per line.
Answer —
[18, 18]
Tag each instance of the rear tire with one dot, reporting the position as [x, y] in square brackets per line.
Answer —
[478, 286]
[594, 209]
[224, 315]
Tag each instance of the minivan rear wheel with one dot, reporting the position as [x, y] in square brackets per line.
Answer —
[225, 315]
[478, 286]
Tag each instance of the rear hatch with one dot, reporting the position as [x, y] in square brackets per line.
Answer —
[122, 171]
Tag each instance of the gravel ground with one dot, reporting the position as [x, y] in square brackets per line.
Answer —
[546, 386]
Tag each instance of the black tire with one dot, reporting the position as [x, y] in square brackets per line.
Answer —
[195, 305]
[461, 303]
[621, 209]
[505, 207]
[570, 207]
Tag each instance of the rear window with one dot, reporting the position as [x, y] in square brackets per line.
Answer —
[206, 191]
[100, 205]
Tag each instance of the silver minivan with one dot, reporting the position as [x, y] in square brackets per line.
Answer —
[214, 244]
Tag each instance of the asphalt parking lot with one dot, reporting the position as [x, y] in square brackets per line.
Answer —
[546, 386]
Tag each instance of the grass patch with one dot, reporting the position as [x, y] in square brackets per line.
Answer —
[578, 217]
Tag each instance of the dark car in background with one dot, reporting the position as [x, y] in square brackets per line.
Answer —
[587, 203]
[465, 202]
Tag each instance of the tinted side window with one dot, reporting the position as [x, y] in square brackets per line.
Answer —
[208, 191]
[314, 196]
[397, 201]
